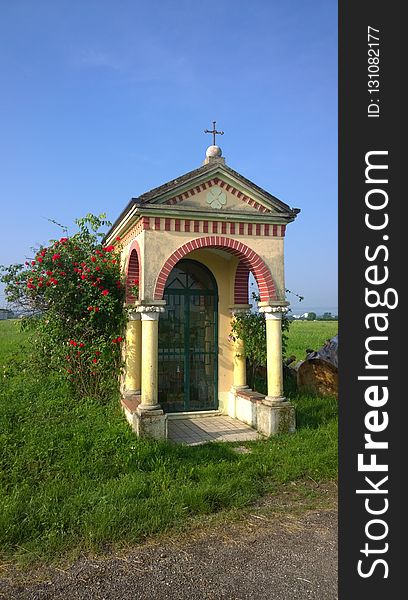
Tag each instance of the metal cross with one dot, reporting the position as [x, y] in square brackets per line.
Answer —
[214, 132]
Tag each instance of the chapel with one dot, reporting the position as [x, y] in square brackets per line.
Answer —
[187, 250]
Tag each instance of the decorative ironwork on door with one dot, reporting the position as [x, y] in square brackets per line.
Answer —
[188, 340]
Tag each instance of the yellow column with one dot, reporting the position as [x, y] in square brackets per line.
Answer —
[133, 354]
[150, 340]
[239, 376]
[274, 355]
[239, 364]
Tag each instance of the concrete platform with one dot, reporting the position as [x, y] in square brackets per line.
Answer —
[200, 430]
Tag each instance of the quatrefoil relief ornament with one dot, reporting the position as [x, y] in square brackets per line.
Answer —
[216, 197]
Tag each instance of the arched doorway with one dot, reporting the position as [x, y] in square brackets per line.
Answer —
[188, 340]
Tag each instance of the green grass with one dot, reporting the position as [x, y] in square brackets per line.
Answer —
[309, 334]
[74, 478]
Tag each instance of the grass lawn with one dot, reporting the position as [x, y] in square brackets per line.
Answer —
[73, 477]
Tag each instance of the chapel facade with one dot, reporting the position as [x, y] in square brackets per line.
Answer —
[190, 246]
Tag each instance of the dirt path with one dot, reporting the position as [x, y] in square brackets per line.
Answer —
[266, 555]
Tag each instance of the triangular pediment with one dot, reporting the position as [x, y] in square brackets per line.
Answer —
[217, 189]
[212, 189]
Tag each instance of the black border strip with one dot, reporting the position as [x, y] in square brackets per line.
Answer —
[358, 135]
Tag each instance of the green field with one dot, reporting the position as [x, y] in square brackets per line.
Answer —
[74, 478]
[309, 334]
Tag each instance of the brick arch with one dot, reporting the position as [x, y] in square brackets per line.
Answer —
[133, 270]
[241, 283]
[247, 257]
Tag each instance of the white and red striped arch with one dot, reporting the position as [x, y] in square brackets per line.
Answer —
[249, 261]
[133, 269]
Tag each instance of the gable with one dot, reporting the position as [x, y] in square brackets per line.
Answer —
[212, 188]
[218, 195]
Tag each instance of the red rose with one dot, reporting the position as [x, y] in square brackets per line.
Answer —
[119, 339]
[96, 309]
[33, 262]
[93, 258]
[81, 345]
[94, 360]
[105, 292]
[90, 308]
[118, 239]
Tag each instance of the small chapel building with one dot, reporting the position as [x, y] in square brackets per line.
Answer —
[190, 244]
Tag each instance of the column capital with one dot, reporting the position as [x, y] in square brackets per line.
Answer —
[133, 315]
[150, 311]
[273, 310]
[239, 309]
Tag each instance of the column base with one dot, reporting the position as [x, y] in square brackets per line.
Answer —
[150, 423]
[275, 400]
[237, 388]
[275, 416]
[127, 393]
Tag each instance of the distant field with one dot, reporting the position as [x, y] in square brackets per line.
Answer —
[309, 334]
[10, 337]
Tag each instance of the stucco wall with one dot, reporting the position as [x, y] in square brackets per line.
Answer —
[158, 246]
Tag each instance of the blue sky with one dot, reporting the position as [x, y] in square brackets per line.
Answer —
[102, 100]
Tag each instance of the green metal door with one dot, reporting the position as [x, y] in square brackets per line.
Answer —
[188, 340]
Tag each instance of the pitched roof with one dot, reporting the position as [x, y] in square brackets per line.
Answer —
[155, 195]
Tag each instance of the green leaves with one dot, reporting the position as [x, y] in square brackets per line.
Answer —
[251, 329]
[75, 289]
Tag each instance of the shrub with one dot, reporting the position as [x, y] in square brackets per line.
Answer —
[73, 293]
[251, 329]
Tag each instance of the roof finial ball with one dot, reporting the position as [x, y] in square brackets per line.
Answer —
[214, 152]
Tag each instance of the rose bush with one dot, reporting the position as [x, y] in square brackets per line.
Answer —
[74, 293]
